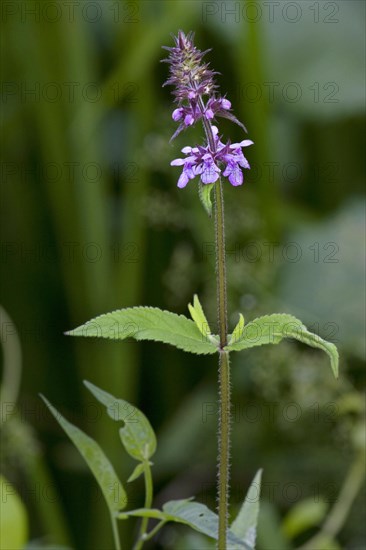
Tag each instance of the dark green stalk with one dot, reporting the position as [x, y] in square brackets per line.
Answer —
[220, 263]
[224, 447]
[224, 371]
[224, 365]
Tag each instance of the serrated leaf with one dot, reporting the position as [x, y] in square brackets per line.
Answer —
[97, 461]
[138, 471]
[194, 514]
[199, 318]
[137, 435]
[204, 192]
[238, 330]
[245, 524]
[271, 329]
[148, 323]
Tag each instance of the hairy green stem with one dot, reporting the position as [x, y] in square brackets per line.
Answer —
[220, 263]
[224, 448]
[224, 371]
[148, 502]
[224, 365]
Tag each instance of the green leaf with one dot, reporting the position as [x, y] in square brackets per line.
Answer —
[304, 515]
[137, 435]
[271, 329]
[200, 319]
[147, 323]
[194, 514]
[138, 471]
[324, 541]
[269, 532]
[238, 330]
[204, 191]
[99, 464]
[40, 545]
[13, 517]
[245, 524]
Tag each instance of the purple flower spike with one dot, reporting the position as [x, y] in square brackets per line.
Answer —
[195, 93]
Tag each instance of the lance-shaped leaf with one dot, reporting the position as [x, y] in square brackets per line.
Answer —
[195, 515]
[99, 464]
[238, 330]
[138, 471]
[137, 435]
[204, 191]
[271, 329]
[199, 318]
[245, 524]
[148, 323]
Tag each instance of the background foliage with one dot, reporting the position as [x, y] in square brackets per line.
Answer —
[93, 222]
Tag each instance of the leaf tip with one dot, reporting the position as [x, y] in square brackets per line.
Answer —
[44, 399]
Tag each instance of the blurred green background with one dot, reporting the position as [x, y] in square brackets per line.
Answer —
[93, 221]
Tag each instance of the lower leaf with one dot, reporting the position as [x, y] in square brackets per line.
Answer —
[195, 515]
[245, 524]
[99, 464]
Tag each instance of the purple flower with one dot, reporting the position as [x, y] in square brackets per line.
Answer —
[209, 114]
[200, 161]
[188, 173]
[208, 169]
[225, 104]
[235, 159]
[177, 114]
[234, 173]
[189, 120]
[189, 114]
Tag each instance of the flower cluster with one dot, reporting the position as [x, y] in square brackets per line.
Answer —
[191, 113]
[193, 81]
[204, 161]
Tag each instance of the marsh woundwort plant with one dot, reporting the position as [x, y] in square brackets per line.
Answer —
[211, 164]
